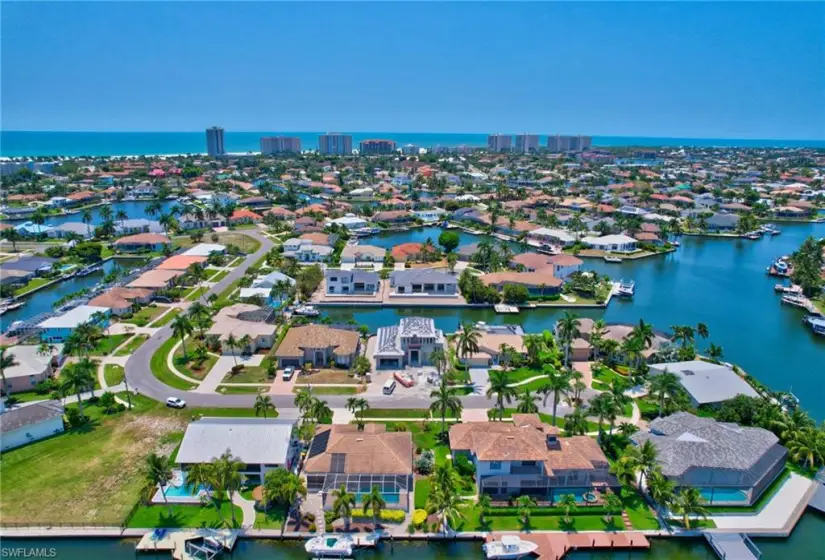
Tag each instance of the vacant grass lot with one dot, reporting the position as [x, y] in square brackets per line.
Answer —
[132, 345]
[320, 377]
[146, 315]
[107, 344]
[88, 475]
[185, 515]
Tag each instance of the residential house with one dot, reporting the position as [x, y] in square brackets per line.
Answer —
[617, 243]
[529, 457]
[79, 229]
[281, 213]
[393, 217]
[409, 344]
[58, 329]
[142, 242]
[137, 225]
[549, 236]
[120, 301]
[350, 222]
[490, 342]
[193, 221]
[423, 282]
[32, 366]
[341, 454]
[27, 424]
[261, 444]
[565, 265]
[23, 268]
[410, 252]
[262, 286]
[244, 216]
[430, 215]
[240, 320]
[181, 262]
[706, 383]
[204, 250]
[156, 280]
[304, 250]
[351, 282]
[319, 346]
[729, 464]
[581, 349]
[362, 254]
[721, 223]
[538, 284]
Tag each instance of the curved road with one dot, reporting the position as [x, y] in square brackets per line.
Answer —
[140, 377]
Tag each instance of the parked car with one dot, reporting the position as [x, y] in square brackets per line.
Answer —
[175, 402]
[288, 373]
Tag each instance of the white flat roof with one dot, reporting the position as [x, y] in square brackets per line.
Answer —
[204, 249]
[73, 317]
[251, 440]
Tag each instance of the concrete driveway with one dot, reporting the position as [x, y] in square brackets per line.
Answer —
[480, 378]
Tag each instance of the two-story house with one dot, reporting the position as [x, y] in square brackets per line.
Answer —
[424, 282]
[351, 282]
[304, 250]
[409, 344]
[529, 457]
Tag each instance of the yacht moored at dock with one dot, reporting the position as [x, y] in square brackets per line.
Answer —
[816, 322]
[626, 289]
[510, 546]
[330, 546]
[307, 311]
[612, 259]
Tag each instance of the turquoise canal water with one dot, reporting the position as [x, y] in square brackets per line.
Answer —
[133, 208]
[805, 543]
[720, 282]
[44, 143]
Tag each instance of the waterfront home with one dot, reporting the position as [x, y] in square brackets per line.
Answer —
[409, 344]
[32, 229]
[538, 284]
[351, 282]
[137, 225]
[261, 444]
[530, 262]
[304, 250]
[789, 212]
[651, 238]
[262, 286]
[26, 424]
[618, 243]
[362, 254]
[350, 222]
[32, 367]
[280, 213]
[180, 262]
[58, 329]
[120, 301]
[204, 250]
[82, 197]
[239, 320]
[423, 282]
[257, 202]
[393, 217]
[318, 345]
[706, 383]
[23, 268]
[80, 229]
[728, 463]
[720, 223]
[341, 454]
[244, 216]
[549, 236]
[565, 265]
[156, 279]
[410, 252]
[490, 343]
[142, 242]
[192, 221]
[430, 215]
[528, 457]
[581, 350]
[465, 253]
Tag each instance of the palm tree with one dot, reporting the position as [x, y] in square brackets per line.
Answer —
[228, 476]
[6, 361]
[602, 406]
[343, 504]
[790, 424]
[683, 333]
[444, 399]
[467, 342]
[12, 236]
[558, 384]
[374, 501]
[182, 327]
[664, 385]
[616, 390]
[439, 359]
[568, 502]
[612, 505]
[807, 446]
[527, 402]
[203, 475]
[485, 502]
[446, 502]
[283, 486]
[533, 344]
[689, 502]
[158, 472]
[644, 332]
[86, 218]
[568, 329]
[77, 380]
[304, 400]
[702, 330]
[263, 403]
[597, 336]
[320, 410]
[232, 343]
[524, 503]
[122, 216]
[200, 315]
[715, 353]
[499, 386]
[643, 458]
[625, 470]
[660, 488]
[575, 423]
[357, 405]
[245, 343]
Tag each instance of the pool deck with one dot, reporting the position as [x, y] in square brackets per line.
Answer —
[553, 546]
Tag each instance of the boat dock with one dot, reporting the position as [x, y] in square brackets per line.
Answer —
[553, 546]
[733, 546]
[818, 499]
[504, 308]
[180, 542]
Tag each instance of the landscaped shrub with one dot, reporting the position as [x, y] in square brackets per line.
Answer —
[312, 528]
[419, 517]
[46, 386]
[463, 465]
[387, 515]
[73, 417]
[425, 464]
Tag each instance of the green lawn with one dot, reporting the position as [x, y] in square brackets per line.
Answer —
[639, 513]
[33, 284]
[540, 520]
[522, 373]
[107, 344]
[140, 403]
[694, 523]
[396, 413]
[321, 390]
[240, 389]
[271, 519]
[196, 294]
[606, 375]
[113, 374]
[184, 515]
[132, 345]
[250, 374]
[166, 318]
[534, 386]
[162, 371]
[224, 298]
[218, 276]
[145, 315]
[29, 396]
[89, 475]
[422, 492]
[187, 366]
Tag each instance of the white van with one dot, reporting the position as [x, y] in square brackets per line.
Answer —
[389, 386]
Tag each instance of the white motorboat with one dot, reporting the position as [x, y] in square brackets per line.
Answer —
[307, 311]
[510, 546]
[324, 546]
[612, 259]
[626, 289]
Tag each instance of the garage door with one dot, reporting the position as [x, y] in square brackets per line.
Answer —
[294, 362]
[389, 363]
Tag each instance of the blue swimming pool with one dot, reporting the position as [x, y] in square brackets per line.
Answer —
[578, 493]
[389, 498]
[723, 495]
[177, 488]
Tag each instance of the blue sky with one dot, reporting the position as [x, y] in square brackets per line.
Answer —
[719, 70]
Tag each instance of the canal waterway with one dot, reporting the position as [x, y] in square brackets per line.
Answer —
[389, 240]
[42, 301]
[133, 208]
[720, 282]
[804, 543]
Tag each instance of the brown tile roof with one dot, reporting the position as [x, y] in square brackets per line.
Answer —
[180, 262]
[526, 440]
[118, 298]
[566, 260]
[343, 342]
[155, 278]
[371, 451]
[535, 261]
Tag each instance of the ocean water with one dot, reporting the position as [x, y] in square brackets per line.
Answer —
[35, 143]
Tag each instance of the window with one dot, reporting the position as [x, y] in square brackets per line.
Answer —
[495, 465]
[332, 289]
[528, 463]
[333, 278]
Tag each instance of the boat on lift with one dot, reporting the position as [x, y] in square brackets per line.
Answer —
[626, 289]
[307, 311]
[330, 546]
[510, 546]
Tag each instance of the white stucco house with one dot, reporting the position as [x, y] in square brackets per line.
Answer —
[618, 243]
[26, 424]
